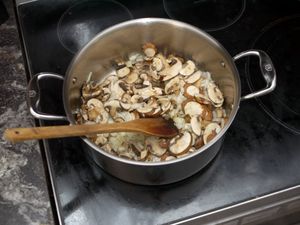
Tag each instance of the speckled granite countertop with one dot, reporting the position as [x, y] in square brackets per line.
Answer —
[23, 190]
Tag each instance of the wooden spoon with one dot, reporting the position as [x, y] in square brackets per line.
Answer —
[150, 126]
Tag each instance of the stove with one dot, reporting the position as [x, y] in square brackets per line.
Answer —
[255, 176]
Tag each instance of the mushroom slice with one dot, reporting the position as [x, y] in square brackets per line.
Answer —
[155, 113]
[202, 99]
[144, 76]
[210, 132]
[106, 94]
[96, 111]
[194, 77]
[220, 112]
[136, 99]
[165, 104]
[144, 154]
[145, 110]
[135, 57]
[125, 106]
[152, 102]
[152, 145]
[117, 89]
[94, 102]
[190, 91]
[131, 77]
[181, 144]
[207, 114]
[163, 143]
[149, 50]
[171, 71]
[188, 68]
[196, 125]
[146, 93]
[170, 157]
[125, 101]
[157, 64]
[112, 106]
[101, 140]
[192, 108]
[125, 116]
[126, 98]
[172, 86]
[214, 94]
[123, 72]
[199, 142]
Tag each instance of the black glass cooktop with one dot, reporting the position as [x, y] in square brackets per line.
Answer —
[261, 151]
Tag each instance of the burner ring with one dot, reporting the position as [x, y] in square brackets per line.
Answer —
[283, 104]
[231, 12]
[83, 20]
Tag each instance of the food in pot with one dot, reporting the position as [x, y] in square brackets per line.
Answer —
[151, 84]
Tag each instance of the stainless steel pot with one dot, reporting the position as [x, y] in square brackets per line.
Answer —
[171, 36]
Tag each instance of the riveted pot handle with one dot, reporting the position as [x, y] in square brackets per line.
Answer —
[267, 69]
[33, 96]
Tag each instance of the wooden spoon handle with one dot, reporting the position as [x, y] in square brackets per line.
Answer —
[23, 134]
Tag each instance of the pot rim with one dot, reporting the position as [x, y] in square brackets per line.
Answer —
[175, 23]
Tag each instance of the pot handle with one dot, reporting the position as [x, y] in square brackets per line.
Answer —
[267, 69]
[33, 96]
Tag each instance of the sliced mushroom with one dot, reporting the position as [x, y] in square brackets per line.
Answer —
[144, 76]
[196, 125]
[144, 154]
[149, 50]
[125, 106]
[96, 111]
[171, 71]
[106, 94]
[219, 112]
[181, 144]
[90, 92]
[94, 102]
[202, 99]
[170, 157]
[112, 107]
[192, 108]
[125, 102]
[188, 68]
[157, 63]
[165, 104]
[214, 94]
[101, 140]
[145, 110]
[155, 113]
[136, 99]
[135, 114]
[123, 72]
[206, 113]
[152, 144]
[210, 132]
[190, 91]
[172, 86]
[199, 142]
[135, 57]
[125, 116]
[131, 77]
[157, 91]
[194, 77]
[117, 89]
[164, 143]
[152, 102]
